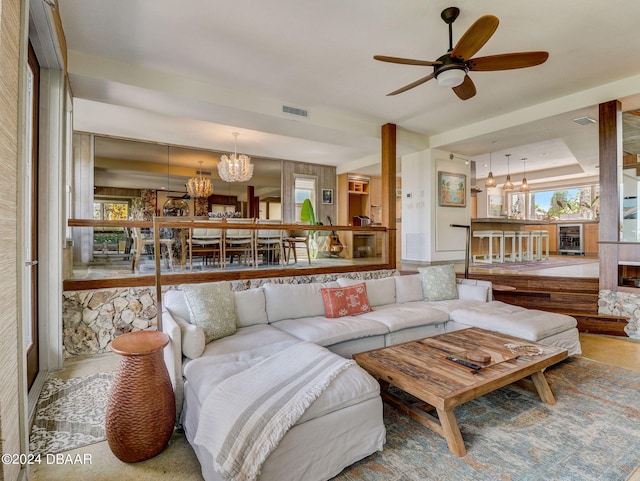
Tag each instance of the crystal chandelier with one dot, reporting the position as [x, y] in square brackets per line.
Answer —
[234, 167]
[199, 186]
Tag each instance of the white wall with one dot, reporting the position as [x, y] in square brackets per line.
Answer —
[426, 232]
[450, 241]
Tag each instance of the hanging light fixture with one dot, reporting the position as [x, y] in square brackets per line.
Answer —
[234, 167]
[490, 181]
[508, 185]
[199, 186]
[524, 186]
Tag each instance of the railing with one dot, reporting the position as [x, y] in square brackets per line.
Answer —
[359, 249]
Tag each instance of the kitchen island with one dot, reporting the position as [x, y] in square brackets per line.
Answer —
[590, 232]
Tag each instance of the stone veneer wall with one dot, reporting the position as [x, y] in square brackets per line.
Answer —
[91, 319]
[622, 304]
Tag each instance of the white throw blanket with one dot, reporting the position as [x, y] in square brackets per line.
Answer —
[244, 418]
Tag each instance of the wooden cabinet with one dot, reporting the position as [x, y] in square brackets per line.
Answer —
[359, 196]
[591, 233]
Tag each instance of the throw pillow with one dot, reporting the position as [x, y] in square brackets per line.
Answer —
[408, 288]
[474, 293]
[438, 282]
[345, 301]
[212, 307]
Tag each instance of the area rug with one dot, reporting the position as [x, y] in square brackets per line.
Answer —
[70, 413]
[591, 434]
[534, 265]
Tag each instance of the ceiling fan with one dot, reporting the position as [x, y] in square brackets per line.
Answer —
[451, 69]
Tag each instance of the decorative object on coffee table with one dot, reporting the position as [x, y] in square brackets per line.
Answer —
[141, 410]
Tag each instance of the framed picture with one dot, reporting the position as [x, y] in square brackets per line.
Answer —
[327, 196]
[495, 205]
[452, 189]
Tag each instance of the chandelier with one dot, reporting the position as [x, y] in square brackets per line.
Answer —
[199, 186]
[234, 167]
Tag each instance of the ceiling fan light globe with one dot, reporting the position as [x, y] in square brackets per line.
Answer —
[451, 77]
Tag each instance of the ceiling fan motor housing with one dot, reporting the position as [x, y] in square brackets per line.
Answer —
[450, 64]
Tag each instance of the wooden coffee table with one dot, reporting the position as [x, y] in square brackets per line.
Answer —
[421, 369]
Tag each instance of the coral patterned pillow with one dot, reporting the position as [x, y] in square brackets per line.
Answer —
[345, 301]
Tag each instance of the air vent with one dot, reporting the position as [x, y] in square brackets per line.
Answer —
[584, 121]
[298, 112]
[203, 172]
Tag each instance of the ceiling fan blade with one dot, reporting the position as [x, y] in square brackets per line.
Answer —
[406, 61]
[475, 37]
[507, 61]
[412, 84]
[466, 89]
[634, 112]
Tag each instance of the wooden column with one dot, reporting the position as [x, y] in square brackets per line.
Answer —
[610, 133]
[251, 204]
[389, 189]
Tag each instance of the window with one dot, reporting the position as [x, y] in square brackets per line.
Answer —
[110, 240]
[305, 188]
[568, 203]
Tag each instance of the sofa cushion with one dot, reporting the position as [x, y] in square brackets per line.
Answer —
[345, 301]
[476, 293]
[402, 316]
[438, 282]
[325, 332]
[175, 302]
[529, 324]
[408, 288]
[292, 301]
[379, 291]
[212, 307]
[251, 307]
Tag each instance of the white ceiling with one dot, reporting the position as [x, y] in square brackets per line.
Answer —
[192, 72]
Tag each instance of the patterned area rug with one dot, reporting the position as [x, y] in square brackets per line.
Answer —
[591, 434]
[70, 413]
[533, 265]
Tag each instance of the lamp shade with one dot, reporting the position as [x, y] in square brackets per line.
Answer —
[490, 181]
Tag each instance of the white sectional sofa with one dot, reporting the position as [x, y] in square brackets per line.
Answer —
[345, 423]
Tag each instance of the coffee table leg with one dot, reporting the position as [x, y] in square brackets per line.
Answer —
[451, 432]
[542, 386]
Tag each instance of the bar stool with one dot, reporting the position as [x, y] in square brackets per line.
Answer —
[538, 238]
[510, 234]
[524, 254]
[491, 235]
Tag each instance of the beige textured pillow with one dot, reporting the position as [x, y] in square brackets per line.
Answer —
[212, 307]
[438, 282]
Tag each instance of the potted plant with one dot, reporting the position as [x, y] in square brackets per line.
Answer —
[308, 215]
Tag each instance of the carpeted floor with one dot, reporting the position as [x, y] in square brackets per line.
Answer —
[70, 413]
[592, 433]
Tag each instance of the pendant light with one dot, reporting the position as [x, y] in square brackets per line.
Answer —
[490, 181]
[508, 185]
[234, 167]
[199, 186]
[524, 186]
